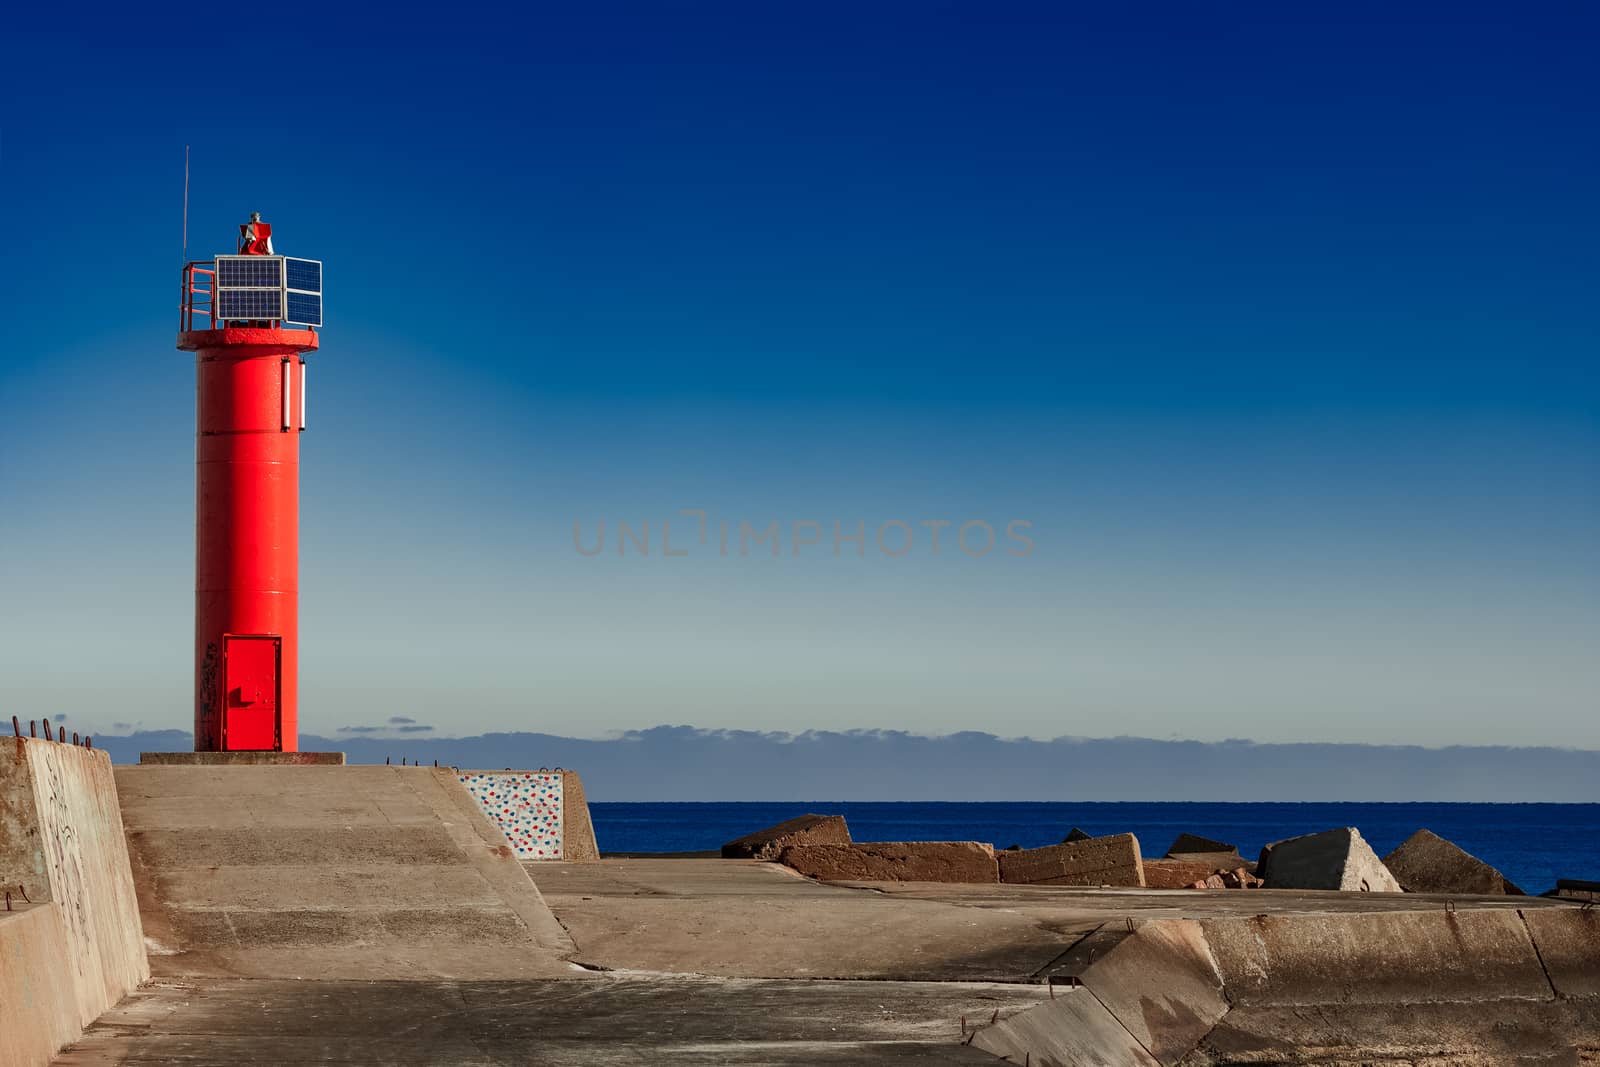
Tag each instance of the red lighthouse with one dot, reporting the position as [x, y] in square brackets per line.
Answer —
[261, 313]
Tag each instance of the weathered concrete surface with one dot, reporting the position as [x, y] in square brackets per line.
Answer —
[242, 759]
[38, 1006]
[1420, 988]
[597, 1021]
[769, 844]
[581, 843]
[1089, 907]
[1162, 984]
[64, 841]
[1427, 863]
[1568, 940]
[746, 918]
[1404, 957]
[1110, 860]
[895, 861]
[1333, 859]
[1503, 1033]
[1073, 1029]
[329, 872]
[1188, 844]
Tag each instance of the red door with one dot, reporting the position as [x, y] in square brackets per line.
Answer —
[250, 693]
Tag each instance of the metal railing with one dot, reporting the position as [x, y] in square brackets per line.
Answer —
[199, 294]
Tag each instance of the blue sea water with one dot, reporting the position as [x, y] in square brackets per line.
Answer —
[1531, 844]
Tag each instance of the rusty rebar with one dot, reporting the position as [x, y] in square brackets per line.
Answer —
[24, 891]
[33, 729]
[75, 740]
[48, 736]
[88, 742]
[16, 727]
[8, 900]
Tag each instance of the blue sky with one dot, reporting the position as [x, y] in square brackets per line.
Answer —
[1278, 327]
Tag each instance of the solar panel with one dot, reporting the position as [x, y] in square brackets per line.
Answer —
[249, 272]
[249, 304]
[304, 274]
[305, 309]
[269, 287]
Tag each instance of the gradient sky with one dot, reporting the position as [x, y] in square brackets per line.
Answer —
[1278, 326]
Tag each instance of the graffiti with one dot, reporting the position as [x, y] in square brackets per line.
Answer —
[64, 854]
[527, 806]
[208, 694]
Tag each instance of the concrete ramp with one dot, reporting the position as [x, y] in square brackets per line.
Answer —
[329, 872]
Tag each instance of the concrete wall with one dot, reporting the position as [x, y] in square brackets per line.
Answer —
[61, 839]
[543, 814]
[38, 1009]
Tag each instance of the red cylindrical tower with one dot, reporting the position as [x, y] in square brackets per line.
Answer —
[250, 410]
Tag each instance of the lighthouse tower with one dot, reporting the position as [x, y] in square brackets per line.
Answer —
[249, 318]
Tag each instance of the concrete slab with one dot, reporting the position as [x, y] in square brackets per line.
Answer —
[595, 1022]
[746, 918]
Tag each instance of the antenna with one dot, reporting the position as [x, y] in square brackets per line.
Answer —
[185, 205]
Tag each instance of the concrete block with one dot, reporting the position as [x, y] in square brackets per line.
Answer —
[1218, 861]
[38, 1006]
[1191, 843]
[1176, 874]
[242, 759]
[1332, 859]
[1568, 940]
[769, 844]
[1110, 860]
[895, 861]
[65, 842]
[1427, 863]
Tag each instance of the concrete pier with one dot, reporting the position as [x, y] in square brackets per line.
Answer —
[376, 915]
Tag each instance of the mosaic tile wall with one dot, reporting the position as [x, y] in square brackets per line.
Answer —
[527, 807]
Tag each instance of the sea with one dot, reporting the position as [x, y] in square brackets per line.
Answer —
[1531, 844]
